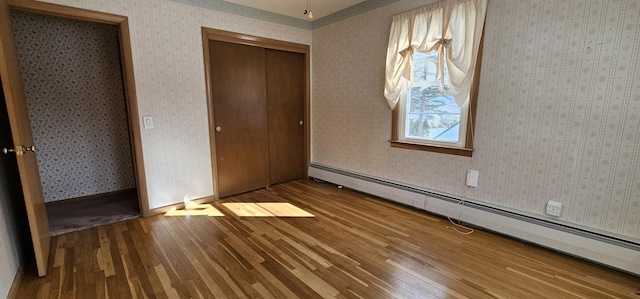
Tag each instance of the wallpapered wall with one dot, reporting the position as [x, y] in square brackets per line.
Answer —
[73, 82]
[558, 115]
[168, 62]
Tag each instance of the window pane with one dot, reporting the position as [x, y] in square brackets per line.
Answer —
[425, 66]
[432, 115]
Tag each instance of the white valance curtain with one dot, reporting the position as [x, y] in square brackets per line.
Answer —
[452, 26]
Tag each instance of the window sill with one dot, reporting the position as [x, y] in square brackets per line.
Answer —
[467, 152]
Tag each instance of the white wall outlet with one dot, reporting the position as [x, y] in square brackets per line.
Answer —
[472, 178]
[554, 208]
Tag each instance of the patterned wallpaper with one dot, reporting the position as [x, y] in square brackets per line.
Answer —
[558, 115]
[73, 82]
[168, 62]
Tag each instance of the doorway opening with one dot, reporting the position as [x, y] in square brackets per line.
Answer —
[75, 89]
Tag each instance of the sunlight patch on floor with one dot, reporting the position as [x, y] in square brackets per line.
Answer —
[247, 209]
[242, 209]
[266, 209]
[194, 209]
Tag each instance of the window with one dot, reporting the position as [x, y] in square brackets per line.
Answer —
[431, 110]
[427, 116]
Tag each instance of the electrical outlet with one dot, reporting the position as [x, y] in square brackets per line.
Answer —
[554, 208]
[472, 178]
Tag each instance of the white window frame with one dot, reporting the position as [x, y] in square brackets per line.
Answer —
[403, 120]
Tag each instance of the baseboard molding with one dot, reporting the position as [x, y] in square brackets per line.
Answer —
[606, 250]
[13, 291]
[162, 210]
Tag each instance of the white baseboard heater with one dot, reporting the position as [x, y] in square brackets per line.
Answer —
[606, 250]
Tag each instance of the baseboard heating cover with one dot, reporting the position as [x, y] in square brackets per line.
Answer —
[606, 250]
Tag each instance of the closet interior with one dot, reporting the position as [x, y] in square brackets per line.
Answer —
[73, 80]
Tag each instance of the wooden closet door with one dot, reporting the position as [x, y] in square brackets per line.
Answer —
[240, 117]
[18, 114]
[285, 102]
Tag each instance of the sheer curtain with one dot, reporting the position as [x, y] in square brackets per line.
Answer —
[452, 26]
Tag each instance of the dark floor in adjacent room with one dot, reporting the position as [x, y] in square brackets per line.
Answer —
[77, 214]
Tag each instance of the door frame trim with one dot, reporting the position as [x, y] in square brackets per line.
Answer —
[128, 75]
[209, 34]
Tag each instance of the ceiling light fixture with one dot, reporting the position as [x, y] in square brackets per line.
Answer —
[308, 11]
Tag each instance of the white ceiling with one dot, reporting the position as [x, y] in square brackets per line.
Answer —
[295, 8]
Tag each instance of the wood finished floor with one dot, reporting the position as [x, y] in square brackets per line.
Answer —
[355, 247]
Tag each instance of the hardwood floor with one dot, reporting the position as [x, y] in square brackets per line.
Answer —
[355, 247]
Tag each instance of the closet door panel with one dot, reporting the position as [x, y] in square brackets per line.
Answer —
[285, 102]
[240, 117]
